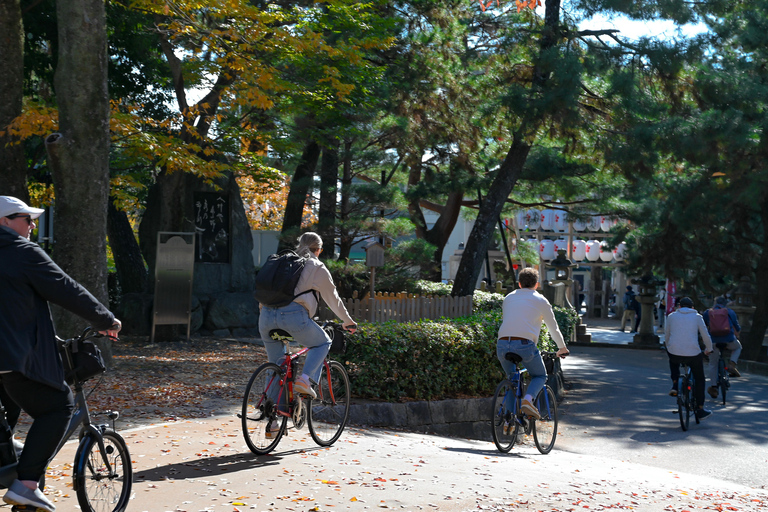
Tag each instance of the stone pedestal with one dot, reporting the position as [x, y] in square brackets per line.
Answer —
[645, 335]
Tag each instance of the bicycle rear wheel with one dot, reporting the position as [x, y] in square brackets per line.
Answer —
[260, 403]
[504, 426]
[684, 402]
[723, 381]
[545, 428]
[329, 412]
[103, 480]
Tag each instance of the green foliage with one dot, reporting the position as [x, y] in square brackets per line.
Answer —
[430, 360]
[424, 287]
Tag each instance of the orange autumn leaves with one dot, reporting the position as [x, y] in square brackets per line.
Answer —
[521, 4]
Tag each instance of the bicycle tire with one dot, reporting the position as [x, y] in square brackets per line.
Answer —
[329, 411]
[683, 402]
[545, 428]
[260, 409]
[722, 379]
[102, 487]
[504, 426]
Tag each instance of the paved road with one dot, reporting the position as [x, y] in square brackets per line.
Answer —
[617, 450]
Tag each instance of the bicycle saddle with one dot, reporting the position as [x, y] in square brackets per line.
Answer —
[280, 335]
[721, 346]
[511, 356]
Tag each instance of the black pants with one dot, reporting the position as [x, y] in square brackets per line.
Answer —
[697, 369]
[51, 409]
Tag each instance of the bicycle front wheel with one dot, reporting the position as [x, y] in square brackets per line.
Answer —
[684, 403]
[103, 479]
[504, 426]
[329, 411]
[260, 403]
[545, 428]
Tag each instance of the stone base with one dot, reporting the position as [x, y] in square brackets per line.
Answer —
[646, 340]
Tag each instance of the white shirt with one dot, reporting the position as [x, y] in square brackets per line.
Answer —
[524, 310]
[681, 333]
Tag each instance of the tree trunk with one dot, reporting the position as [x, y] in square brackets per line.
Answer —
[297, 195]
[477, 243]
[13, 178]
[131, 272]
[345, 240]
[329, 176]
[79, 154]
[753, 342]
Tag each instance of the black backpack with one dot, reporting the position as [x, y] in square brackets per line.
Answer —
[277, 279]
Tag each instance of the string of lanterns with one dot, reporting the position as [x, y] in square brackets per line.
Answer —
[557, 221]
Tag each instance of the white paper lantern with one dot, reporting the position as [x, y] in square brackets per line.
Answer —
[593, 250]
[606, 254]
[593, 223]
[548, 220]
[533, 219]
[619, 253]
[579, 251]
[547, 250]
[561, 244]
[606, 223]
[520, 219]
[579, 225]
[561, 222]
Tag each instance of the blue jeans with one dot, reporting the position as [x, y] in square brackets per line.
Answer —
[532, 361]
[294, 319]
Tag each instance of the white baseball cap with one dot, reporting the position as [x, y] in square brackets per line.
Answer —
[10, 205]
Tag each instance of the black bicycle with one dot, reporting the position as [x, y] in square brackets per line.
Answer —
[102, 474]
[686, 398]
[723, 376]
[507, 417]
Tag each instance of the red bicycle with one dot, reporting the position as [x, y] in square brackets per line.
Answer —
[270, 401]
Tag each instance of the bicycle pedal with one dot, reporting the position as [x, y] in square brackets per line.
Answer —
[26, 508]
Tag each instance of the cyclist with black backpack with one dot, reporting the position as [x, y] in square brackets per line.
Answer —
[723, 326]
[293, 313]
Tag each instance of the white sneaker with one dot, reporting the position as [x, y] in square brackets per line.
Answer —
[272, 429]
[20, 494]
[303, 387]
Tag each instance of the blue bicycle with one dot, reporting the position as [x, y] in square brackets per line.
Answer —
[507, 418]
[102, 474]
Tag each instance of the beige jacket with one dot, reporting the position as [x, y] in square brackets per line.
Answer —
[316, 276]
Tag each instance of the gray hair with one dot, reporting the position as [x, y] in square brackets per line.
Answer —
[308, 243]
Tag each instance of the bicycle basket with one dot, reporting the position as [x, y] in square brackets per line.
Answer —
[85, 361]
[338, 340]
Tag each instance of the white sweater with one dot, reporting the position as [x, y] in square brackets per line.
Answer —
[682, 330]
[524, 310]
[316, 276]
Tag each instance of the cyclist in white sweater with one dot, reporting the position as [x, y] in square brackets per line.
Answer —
[682, 332]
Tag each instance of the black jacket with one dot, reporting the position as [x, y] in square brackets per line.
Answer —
[29, 279]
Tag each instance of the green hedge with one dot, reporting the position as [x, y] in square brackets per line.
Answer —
[431, 360]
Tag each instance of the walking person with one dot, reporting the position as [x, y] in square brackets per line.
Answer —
[31, 370]
[631, 310]
[681, 337]
[723, 326]
[523, 312]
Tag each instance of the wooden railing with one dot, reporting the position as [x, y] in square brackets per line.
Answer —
[403, 307]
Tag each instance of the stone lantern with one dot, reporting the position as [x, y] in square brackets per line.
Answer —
[562, 282]
[647, 296]
[742, 304]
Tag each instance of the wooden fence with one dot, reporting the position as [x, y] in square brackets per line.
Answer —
[403, 307]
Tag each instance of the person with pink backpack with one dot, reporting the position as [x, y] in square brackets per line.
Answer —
[724, 328]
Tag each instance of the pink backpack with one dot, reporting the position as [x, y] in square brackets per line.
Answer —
[719, 323]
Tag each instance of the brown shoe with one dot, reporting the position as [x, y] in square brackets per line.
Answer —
[732, 370]
[712, 390]
[530, 410]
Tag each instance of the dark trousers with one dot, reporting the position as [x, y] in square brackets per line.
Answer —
[50, 409]
[697, 369]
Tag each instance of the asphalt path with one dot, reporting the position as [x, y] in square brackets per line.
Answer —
[619, 406]
[620, 448]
